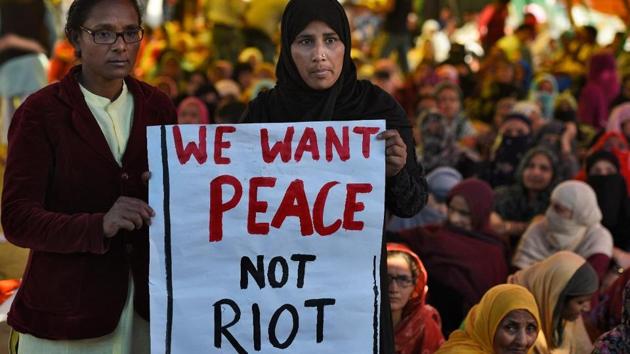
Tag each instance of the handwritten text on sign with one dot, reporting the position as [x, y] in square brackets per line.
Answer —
[267, 238]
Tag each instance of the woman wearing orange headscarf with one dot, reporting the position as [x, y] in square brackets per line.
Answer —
[506, 320]
[417, 325]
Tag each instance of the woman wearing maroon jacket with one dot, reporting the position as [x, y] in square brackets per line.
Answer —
[75, 192]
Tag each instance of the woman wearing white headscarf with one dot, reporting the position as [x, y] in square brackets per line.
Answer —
[572, 223]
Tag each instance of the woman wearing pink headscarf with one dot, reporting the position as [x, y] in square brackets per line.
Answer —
[602, 87]
[192, 111]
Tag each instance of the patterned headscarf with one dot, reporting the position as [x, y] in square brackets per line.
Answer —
[617, 340]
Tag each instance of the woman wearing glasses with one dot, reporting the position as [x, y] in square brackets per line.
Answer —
[75, 193]
[417, 325]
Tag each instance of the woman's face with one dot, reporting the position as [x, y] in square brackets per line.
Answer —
[503, 108]
[545, 86]
[107, 62]
[574, 307]
[318, 55]
[401, 282]
[448, 102]
[603, 168]
[562, 211]
[194, 83]
[514, 128]
[189, 115]
[516, 333]
[538, 173]
[459, 213]
[504, 73]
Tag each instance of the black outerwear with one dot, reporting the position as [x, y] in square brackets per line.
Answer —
[613, 201]
[292, 100]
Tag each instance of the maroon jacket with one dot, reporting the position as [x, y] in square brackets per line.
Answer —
[61, 178]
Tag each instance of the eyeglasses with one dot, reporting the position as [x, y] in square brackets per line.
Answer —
[110, 37]
[403, 281]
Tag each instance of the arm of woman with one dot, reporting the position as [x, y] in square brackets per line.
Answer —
[508, 227]
[530, 249]
[406, 188]
[28, 178]
[12, 41]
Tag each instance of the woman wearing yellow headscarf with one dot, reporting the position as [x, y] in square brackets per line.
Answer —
[563, 285]
[505, 321]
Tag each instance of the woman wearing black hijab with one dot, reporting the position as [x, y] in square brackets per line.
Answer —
[612, 195]
[317, 81]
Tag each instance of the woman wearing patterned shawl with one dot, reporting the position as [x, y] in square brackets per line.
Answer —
[617, 340]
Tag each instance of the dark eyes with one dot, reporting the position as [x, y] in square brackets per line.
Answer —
[514, 328]
[305, 41]
[104, 34]
[129, 36]
[532, 328]
[540, 167]
[309, 41]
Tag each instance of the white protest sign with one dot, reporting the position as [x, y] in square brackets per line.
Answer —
[267, 237]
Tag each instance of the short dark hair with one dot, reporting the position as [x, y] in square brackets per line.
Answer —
[591, 31]
[240, 68]
[525, 27]
[447, 85]
[78, 13]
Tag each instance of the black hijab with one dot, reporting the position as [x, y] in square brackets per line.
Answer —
[612, 198]
[292, 100]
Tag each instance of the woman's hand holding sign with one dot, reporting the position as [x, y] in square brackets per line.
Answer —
[126, 214]
[395, 152]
